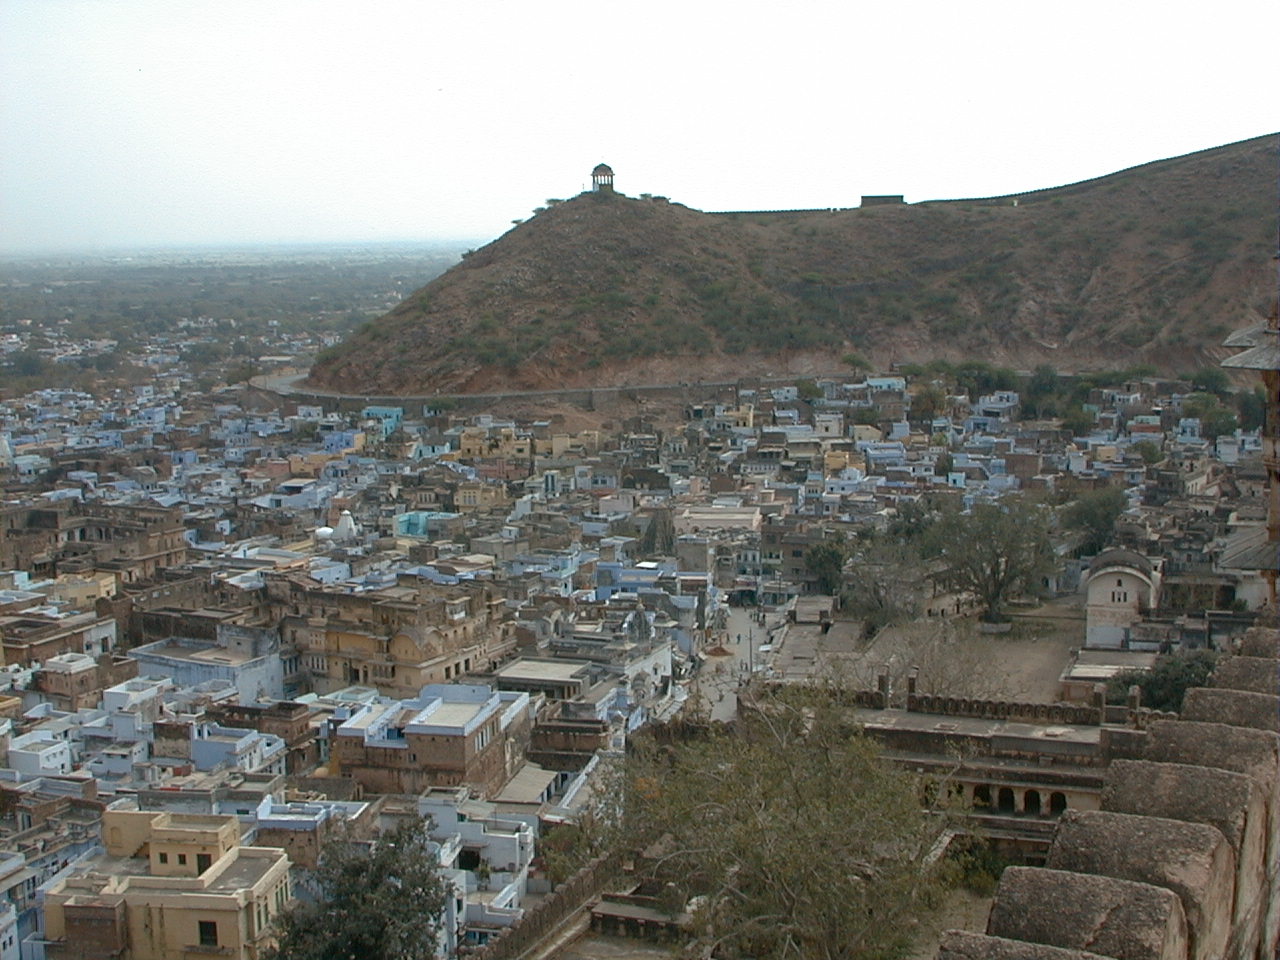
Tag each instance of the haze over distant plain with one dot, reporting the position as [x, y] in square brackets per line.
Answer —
[145, 123]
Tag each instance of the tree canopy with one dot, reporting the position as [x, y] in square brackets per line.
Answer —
[994, 552]
[826, 562]
[884, 585]
[1095, 513]
[383, 900]
[1168, 680]
[786, 835]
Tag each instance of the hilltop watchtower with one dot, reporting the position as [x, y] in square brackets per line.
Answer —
[602, 178]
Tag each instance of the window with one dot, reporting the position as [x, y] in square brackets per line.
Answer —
[208, 933]
[182, 859]
[164, 858]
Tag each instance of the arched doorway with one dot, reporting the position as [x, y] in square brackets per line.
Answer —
[1057, 803]
[1004, 800]
[1031, 803]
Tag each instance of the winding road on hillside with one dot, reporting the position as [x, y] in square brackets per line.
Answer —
[293, 385]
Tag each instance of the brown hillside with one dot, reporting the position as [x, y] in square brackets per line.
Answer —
[1153, 264]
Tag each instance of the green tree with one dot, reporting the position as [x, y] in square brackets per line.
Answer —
[1079, 421]
[1167, 682]
[911, 521]
[1149, 451]
[927, 402]
[27, 363]
[242, 373]
[1041, 392]
[884, 585]
[1251, 405]
[787, 835]
[865, 416]
[808, 389]
[855, 361]
[994, 552]
[977, 377]
[383, 900]
[1217, 421]
[826, 562]
[1095, 513]
[1211, 380]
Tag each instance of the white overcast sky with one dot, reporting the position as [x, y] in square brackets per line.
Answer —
[152, 122]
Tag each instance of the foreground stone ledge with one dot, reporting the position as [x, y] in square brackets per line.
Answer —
[1252, 674]
[1232, 802]
[1209, 744]
[1260, 642]
[1101, 915]
[1193, 860]
[1238, 708]
[962, 945]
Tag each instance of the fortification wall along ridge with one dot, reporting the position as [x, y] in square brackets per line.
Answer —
[1183, 860]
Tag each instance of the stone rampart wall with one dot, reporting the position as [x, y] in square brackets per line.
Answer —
[1182, 861]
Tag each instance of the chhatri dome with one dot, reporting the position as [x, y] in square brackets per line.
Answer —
[602, 178]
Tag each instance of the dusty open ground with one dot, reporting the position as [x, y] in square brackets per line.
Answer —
[594, 947]
[953, 657]
[962, 910]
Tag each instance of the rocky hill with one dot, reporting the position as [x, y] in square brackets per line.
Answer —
[1153, 264]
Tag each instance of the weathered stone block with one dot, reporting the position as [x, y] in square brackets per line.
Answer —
[1260, 642]
[1253, 674]
[962, 945]
[1179, 791]
[1232, 802]
[1239, 708]
[1208, 744]
[1241, 750]
[1193, 860]
[1114, 918]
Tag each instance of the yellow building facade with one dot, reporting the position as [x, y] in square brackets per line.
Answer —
[170, 887]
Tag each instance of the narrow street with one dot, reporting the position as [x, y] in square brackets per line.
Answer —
[718, 682]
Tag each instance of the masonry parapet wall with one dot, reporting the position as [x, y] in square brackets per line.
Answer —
[1041, 713]
[1182, 861]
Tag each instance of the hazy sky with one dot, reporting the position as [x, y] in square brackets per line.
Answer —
[149, 122]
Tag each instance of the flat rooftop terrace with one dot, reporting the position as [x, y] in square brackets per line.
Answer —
[903, 720]
[201, 655]
[542, 671]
